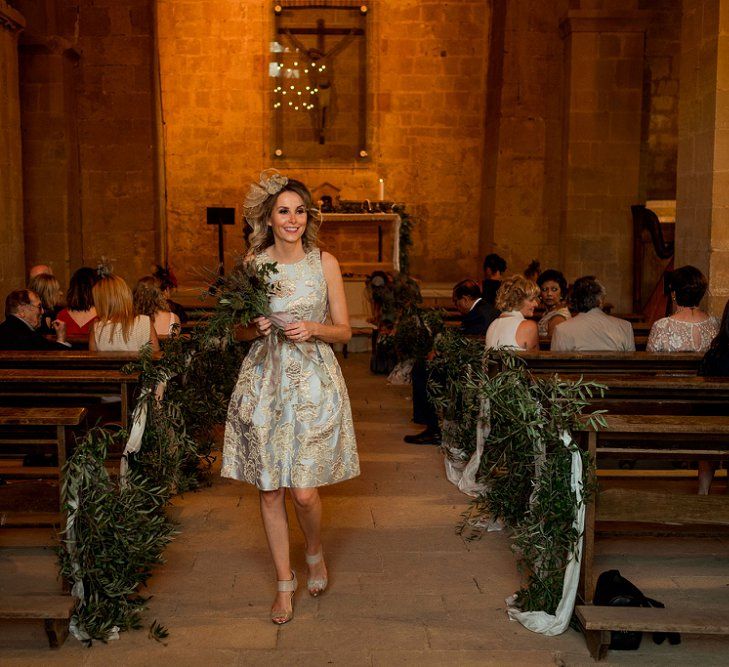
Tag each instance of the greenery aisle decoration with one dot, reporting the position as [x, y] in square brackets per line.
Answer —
[117, 529]
[525, 467]
[114, 536]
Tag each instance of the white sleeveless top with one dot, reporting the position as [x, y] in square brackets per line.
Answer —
[164, 322]
[502, 331]
[138, 336]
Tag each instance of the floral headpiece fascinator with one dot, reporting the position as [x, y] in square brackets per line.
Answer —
[271, 182]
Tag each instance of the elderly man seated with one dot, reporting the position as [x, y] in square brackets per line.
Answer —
[591, 329]
[23, 310]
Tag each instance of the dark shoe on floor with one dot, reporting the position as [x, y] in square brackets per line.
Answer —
[426, 437]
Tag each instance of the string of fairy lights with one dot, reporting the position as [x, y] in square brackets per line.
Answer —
[293, 96]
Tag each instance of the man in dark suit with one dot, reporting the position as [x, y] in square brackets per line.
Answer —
[476, 317]
[23, 310]
[493, 266]
[477, 314]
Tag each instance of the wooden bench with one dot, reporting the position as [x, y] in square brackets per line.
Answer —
[54, 610]
[21, 428]
[659, 394]
[68, 359]
[598, 622]
[639, 437]
[684, 363]
[49, 386]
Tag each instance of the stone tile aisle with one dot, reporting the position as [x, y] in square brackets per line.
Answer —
[405, 589]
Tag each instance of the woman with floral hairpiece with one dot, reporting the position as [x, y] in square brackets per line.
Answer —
[289, 420]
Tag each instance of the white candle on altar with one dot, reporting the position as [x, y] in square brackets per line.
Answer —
[382, 190]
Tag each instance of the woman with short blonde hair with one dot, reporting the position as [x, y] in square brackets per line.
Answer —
[517, 298]
[48, 289]
[117, 329]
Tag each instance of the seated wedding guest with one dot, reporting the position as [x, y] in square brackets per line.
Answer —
[591, 329]
[553, 288]
[117, 329]
[476, 313]
[716, 364]
[38, 269]
[689, 329]
[533, 270]
[46, 286]
[516, 299]
[493, 267]
[149, 300]
[19, 331]
[80, 313]
[167, 282]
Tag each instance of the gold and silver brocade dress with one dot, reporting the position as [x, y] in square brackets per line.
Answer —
[289, 419]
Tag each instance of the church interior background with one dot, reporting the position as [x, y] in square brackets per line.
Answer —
[522, 127]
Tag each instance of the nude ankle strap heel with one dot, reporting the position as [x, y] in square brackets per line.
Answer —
[316, 585]
[281, 616]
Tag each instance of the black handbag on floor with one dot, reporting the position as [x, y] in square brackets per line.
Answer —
[613, 589]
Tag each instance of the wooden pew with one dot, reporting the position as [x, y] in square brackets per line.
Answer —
[54, 610]
[640, 437]
[51, 386]
[598, 622]
[659, 394]
[686, 363]
[34, 428]
[640, 343]
[68, 359]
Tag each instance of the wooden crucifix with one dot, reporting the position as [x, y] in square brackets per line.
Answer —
[321, 67]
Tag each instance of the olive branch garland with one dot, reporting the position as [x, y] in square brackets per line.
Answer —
[525, 466]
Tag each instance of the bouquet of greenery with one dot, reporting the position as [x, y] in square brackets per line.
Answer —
[242, 296]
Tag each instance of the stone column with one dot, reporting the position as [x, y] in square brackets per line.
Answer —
[604, 53]
[702, 219]
[12, 262]
[52, 209]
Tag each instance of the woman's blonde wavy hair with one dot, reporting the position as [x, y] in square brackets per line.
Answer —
[148, 298]
[47, 288]
[514, 291]
[262, 235]
[113, 301]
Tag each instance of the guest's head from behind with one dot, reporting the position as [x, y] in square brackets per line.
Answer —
[493, 266]
[25, 305]
[46, 286]
[38, 269]
[80, 290]
[465, 294]
[687, 286]
[280, 208]
[587, 293]
[518, 294]
[553, 288]
[113, 301]
[148, 297]
[533, 270]
[166, 279]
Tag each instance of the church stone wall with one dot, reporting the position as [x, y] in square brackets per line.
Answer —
[427, 74]
[12, 269]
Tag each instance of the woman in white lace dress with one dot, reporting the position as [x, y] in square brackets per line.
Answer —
[689, 329]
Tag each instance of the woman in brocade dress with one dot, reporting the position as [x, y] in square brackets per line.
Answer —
[289, 420]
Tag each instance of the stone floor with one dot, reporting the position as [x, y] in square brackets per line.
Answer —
[405, 589]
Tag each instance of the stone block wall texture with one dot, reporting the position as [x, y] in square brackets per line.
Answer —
[659, 147]
[427, 76]
[523, 143]
[12, 266]
[702, 227]
[89, 128]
